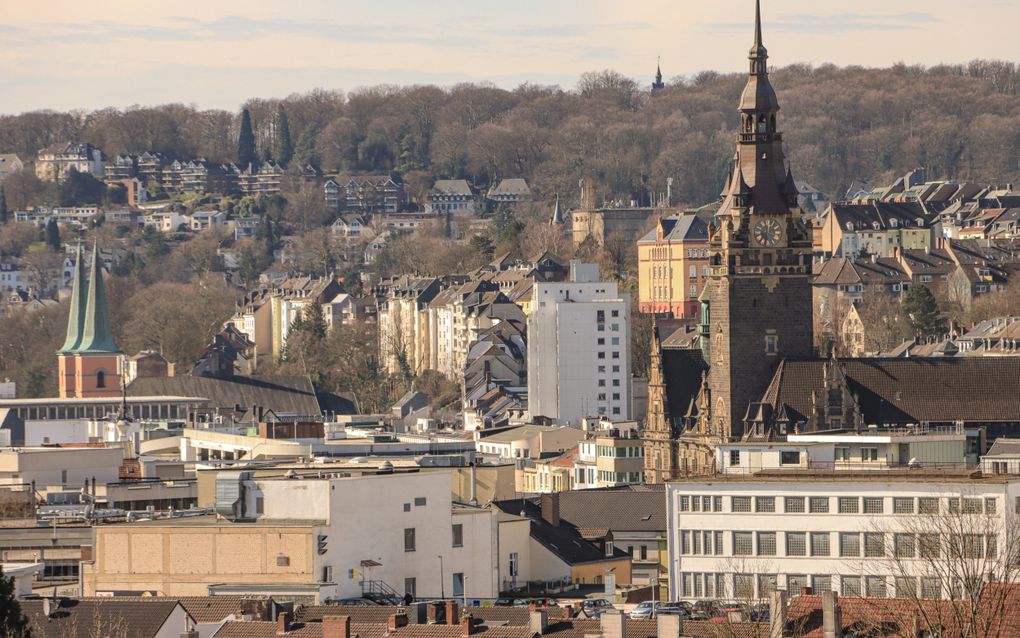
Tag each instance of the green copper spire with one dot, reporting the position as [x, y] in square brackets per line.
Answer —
[96, 335]
[77, 314]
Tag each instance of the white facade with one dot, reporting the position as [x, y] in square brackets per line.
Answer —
[59, 466]
[740, 537]
[402, 522]
[579, 352]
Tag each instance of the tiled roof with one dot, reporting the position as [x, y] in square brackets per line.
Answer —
[581, 627]
[357, 613]
[619, 509]
[911, 390]
[203, 609]
[367, 630]
[879, 616]
[83, 618]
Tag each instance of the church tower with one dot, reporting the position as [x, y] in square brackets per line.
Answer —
[89, 362]
[759, 291]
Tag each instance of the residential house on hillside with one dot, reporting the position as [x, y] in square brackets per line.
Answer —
[403, 323]
[511, 190]
[452, 197]
[120, 168]
[10, 164]
[367, 194]
[208, 219]
[56, 161]
[876, 228]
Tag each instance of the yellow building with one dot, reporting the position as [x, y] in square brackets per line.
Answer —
[672, 266]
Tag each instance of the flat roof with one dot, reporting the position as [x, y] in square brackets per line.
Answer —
[211, 520]
[899, 475]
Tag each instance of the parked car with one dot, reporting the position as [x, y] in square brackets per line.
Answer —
[504, 602]
[645, 610]
[595, 607]
[537, 602]
[681, 608]
[704, 610]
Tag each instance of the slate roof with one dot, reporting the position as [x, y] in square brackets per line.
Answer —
[203, 609]
[357, 613]
[511, 186]
[913, 390]
[452, 187]
[619, 509]
[283, 394]
[682, 227]
[564, 540]
[1005, 447]
[78, 618]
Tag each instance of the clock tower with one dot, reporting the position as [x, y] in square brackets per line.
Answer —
[758, 295]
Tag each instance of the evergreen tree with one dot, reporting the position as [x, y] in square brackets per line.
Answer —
[5, 215]
[921, 312]
[314, 321]
[246, 154]
[53, 234]
[12, 620]
[305, 151]
[283, 147]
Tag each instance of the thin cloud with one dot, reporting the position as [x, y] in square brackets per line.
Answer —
[837, 23]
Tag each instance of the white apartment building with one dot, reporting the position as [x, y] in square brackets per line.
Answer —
[872, 532]
[579, 349]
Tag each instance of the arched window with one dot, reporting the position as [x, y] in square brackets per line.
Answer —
[100, 379]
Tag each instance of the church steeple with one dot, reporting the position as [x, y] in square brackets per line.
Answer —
[96, 334]
[658, 84]
[557, 216]
[76, 314]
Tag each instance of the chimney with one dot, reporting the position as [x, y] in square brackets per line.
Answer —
[190, 633]
[538, 621]
[551, 509]
[831, 624]
[282, 623]
[418, 613]
[467, 625]
[806, 591]
[452, 613]
[614, 624]
[431, 613]
[777, 613]
[396, 621]
[336, 627]
[668, 626]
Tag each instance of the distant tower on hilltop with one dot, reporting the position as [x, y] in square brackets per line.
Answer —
[557, 216]
[89, 361]
[658, 84]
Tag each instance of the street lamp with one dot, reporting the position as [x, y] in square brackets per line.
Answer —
[442, 579]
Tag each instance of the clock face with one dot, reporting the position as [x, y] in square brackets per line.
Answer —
[768, 232]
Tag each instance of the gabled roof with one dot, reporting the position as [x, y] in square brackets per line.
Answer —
[452, 187]
[283, 394]
[78, 618]
[511, 186]
[619, 509]
[563, 540]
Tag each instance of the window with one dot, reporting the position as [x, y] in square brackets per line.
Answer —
[718, 542]
[766, 584]
[742, 544]
[793, 504]
[931, 587]
[771, 344]
[419, 501]
[928, 546]
[458, 583]
[766, 543]
[411, 587]
[851, 585]
[874, 545]
[869, 453]
[990, 505]
[849, 544]
[717, 503]
[973, 546]
[971, 506]
[927, 505]
[740, 504]
[706, 501]
[796, 544]
[685, 541]
[819, 504]
[902, 505]
[821, 582]
[743, 586]
[734, 457]
[904, 545]
[601, 341]
[842, 453]
[796, 582]
[100, 379]
[873, 505]
[408, 539]
[685, 504]
[906, 587]
[458, 535]
[848, 505]
[764, 504]
[876, 586]
[819, 543]
[991, 546]
[789, 458]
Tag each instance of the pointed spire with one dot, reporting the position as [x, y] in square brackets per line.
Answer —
[96, 334]
[76, 315]
[658, 83]
[557, 217]
[758, 54]
[757, 25]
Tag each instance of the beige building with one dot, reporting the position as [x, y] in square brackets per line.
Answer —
[54, 163]
[673, 266]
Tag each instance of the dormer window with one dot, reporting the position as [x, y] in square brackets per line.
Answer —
[850, 226]
[894, 223]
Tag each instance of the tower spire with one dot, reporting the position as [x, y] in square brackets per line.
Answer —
[76, 315]
[658, 83]
[96, 334]
[758, 55]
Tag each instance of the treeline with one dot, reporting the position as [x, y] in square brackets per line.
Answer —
[840, 123]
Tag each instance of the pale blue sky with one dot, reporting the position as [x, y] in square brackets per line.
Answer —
[65, 54]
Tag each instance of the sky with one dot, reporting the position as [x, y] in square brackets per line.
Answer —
[68, 54]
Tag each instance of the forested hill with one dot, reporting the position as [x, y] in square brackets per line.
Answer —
[839, 124]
